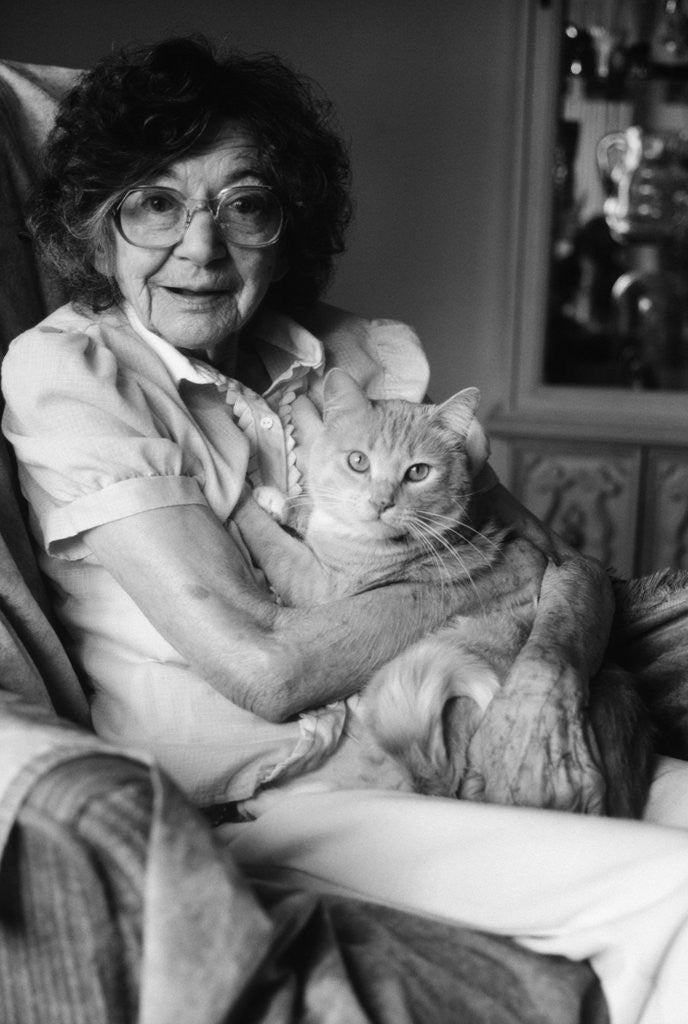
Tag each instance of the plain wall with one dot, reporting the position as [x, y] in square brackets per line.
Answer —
[425, 94]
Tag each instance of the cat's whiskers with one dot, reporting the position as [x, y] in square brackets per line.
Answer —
[336, 504]
[483, 536]
[440, 541]
[298, 500]
[430, 547]
[459, 526]
[454, 521]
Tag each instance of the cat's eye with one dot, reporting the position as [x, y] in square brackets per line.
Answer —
[358, 461]
[417, 472]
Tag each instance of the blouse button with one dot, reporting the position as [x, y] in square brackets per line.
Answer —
[266, 422]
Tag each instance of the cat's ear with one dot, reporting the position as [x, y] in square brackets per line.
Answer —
[342, 395]
[477, 447]
[458, 412]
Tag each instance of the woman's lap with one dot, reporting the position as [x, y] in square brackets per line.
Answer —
[614, 892]
[668, 800]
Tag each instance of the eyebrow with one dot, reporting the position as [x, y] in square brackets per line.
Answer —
[166, 179]
[254, 171]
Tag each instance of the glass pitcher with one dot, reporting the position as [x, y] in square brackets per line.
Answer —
[645, 175]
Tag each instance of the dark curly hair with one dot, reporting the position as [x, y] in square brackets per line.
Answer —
[139, 110]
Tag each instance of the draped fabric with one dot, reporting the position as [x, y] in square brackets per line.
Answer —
[118, 906]
[30, 650]
[28, 98]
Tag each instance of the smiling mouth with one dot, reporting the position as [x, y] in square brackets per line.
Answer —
[196, 293]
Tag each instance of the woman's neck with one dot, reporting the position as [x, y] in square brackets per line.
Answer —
[249, 368]
[237, 359]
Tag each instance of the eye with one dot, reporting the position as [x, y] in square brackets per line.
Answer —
[417, 472]
[159, 202]
[248, 206]
[150, 201]
[150, 208]
[358, 461]
[250, 215]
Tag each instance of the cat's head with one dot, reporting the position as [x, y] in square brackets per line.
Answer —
[391, 467]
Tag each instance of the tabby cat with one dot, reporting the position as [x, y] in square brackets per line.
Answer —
[390, 496]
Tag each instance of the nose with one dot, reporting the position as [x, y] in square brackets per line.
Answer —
[202, 241]
[381, 501]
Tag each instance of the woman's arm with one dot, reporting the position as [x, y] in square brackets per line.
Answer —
[534, 746]
[189, 579]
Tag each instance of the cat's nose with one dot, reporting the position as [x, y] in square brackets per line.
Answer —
[381, 504]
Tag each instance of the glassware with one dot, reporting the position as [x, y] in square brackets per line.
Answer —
[669, 42]
[648, 327]
[646, 176]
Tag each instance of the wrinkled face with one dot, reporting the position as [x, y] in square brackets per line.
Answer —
[200, 293]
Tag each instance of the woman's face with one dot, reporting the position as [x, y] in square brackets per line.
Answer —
[199, 294]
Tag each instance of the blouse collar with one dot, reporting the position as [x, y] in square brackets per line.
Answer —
[286, 348]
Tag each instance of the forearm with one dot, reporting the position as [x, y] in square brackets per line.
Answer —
[341, 644]
[576, 605]
[187, 577]
[289, 660]
[574, 614]
[533, 745]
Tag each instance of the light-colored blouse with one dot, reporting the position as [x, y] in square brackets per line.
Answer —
[108, 420]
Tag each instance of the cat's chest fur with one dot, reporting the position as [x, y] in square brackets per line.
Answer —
[356, 557]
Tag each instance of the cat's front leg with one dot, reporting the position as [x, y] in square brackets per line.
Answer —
[274, 502]
[292, 570]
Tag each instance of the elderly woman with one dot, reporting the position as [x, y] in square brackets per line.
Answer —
[193, 207]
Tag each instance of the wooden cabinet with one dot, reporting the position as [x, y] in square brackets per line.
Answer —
[664, 537]
[623, 503]
[587, 493]
[605, 466]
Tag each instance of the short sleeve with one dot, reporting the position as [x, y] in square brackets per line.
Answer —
[385, 356]
[90, 444]
[404, 370]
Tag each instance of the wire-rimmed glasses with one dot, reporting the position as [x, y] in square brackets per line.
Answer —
[157, 217]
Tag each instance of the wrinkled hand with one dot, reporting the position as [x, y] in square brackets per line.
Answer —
[532, 747]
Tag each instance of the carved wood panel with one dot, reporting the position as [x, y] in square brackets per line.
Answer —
[665, 534]
[587, 494]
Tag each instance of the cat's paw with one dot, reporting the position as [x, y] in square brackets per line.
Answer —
[272, 501]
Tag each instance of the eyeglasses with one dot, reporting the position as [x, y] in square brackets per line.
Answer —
[156, 217]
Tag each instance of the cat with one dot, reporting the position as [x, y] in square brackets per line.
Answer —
[390, 496]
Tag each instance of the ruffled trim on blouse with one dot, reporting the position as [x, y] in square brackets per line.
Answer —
[246, 421]
[284, 411]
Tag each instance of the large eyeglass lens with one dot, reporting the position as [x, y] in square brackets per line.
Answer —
[157, 217]
[152, 217]
[249, 216]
